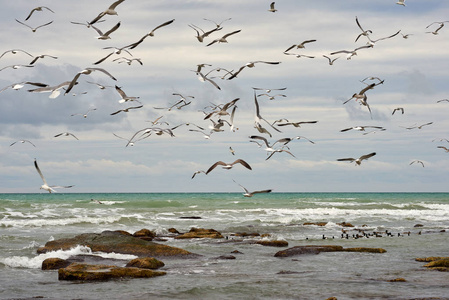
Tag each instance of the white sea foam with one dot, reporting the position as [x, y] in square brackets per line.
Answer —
[59, 222]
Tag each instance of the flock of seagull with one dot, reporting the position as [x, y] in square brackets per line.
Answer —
[219, 115]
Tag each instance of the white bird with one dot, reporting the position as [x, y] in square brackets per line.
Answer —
[129, 61]
[442, 147]
[39, 8]
[200, 37]
[126, 109]
[45, 186]
[252, 64]
[15, 51]
[15, 67]
[22, 141]
[110, 11]
[130, 143]
[124, 97]
[54, 91]
[204, 78]
[87, 24]
[364, 32]
[223, 38]
[66, 134]
[401, 2]
[297, 124]
[398, 109]
[299, 55]
[86, 71]
[351, 53]
[278, 151]
[197, 172]
[205, 135]
[85, 114]
[269, 90]
[272, 9]
[301, 45]
[258, 117]
[362, 128]
[105, 36]
[435, 32]
[116, 51]
[331, 61]
[151, 33]
[228, 166]
[250, 194]
[33, 29]
[417, 161]
[358, 161]
[19, 85]
[218, 24]
[272, 97]
[373, 42]
[41, 56]
[100, 86]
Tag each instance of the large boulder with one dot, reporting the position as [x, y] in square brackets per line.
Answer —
[145, 263]
[200, 233]
[111, 241]
[86, 272]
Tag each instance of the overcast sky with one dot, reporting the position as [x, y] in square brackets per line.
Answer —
[414, 71]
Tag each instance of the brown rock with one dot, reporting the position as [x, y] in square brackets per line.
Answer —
[85, 272]
[397, 280]
[110, 241]
[316, 223]
[226, 257]
[363, 249]
[54, 263]
[344, 224]
[123, 232]
[173, 230]
[276, 243]
[245, 234]
[439, 265]
[145, 263]
[418, 225]
[309, 249]
[145, 234]
[200, 233]
[432, 258]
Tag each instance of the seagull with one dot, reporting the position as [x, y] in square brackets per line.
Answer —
[36, 28]
[277, 151]
[87, 24]
[299, 46]
[223, 109]
[417, 161]
[126, 109]
[151, 33]
[269, 90]
[205, 135]
[443, 100]
[129, 60]
[124, 97]
[109, 11]
[258, 118]
[362, 128]
[299, 55]
[419, 127]
[223, 38]
[105, 36]
[435, 32]
[364, 32]
[297, 124]
[86, 71]
[41, 56]
[398, 109]
[331, 61]
[100, 86]
[232, 151]
[445, 149]
[204, 78]
[116, 51]
[15, 51]
[66, 134]
[19, 85]
[440, 140]
[373, 42]
[39, 8]
[45, 186]
[197, 172]
[358, 161]
[406, 36]
[129, 141]
[401, 2]
[15, 67]
[218, 24]
[22, 141]
[200, 37]
[252, 64]
[351, 53]
[250, 194]
[55, 90]
[272, 9]
[229, 166]
[85, 114]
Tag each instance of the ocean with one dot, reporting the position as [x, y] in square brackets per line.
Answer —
[418, 223]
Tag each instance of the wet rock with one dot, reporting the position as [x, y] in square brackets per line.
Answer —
[226, 257]
[191, 217]
[236, 252]
[431, 258]
[123, 232]
[110, 241]
[245, 234]
[173, 230]
[439, 264]
[145, 263]
[286, 272]
[397, 280]
[316, 223]
[54, 263]
[86, 272]
[276, 243]
[419, 225]
[200, 233]
[309, 249]
[363, 249]
[145, 234]
[344, 224]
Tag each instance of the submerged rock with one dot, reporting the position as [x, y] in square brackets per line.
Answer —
[86, 272]
[441, 264]
[316, 249]
[110, 241]
[275, 243]
[145, 263]
[316, 223]
[200, 233]
[54, 263]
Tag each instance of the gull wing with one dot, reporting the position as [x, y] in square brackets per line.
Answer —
[39, 171]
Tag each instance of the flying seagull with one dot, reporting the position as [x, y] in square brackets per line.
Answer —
[22, 141]
[15, 67]
[197, 172]
[300, 45]
[15, 51]
[331, 61]
[126, 109]
[19, 85]
[200, 37]
[124, 97]
[398, 109]
[250, 194]
[350, 53]
[39, 8]
[45, 186]
[41, 56]
[373, 42]
[66, 134]
[86, 71]
[272, 9]
[217, 24]
[228, 166]
[109, 11]
[151, 33]
[33, 29]
[105, 36]
[297, 124]
[442, 147]
[364, 32]
[362, 128]
[116, 51]
[358, 161]
[252, 64]
[54, 90]
[401, 2]
[85, 114]
[417, 161]
[223, 38]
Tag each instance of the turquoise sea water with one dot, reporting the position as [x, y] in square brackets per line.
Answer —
[28, 221]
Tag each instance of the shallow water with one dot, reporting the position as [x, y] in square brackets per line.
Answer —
[28, 221]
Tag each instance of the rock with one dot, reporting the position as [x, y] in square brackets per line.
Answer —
[332, 298]
[286, 272]
[200, 233]
[145, 234]
[86, 272]
[276, 243]
[145, 263]
[419, 225]
[236, 252]
[439, 264]
[245, 234]
[432, 258]
[397, 280]
[316, 223]
[123, 232]
[310, 249]
[173, 230]
[226, 257]
[344, 224]
[54, 263]
[110, 241]
[313, 249]
[191, 217]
